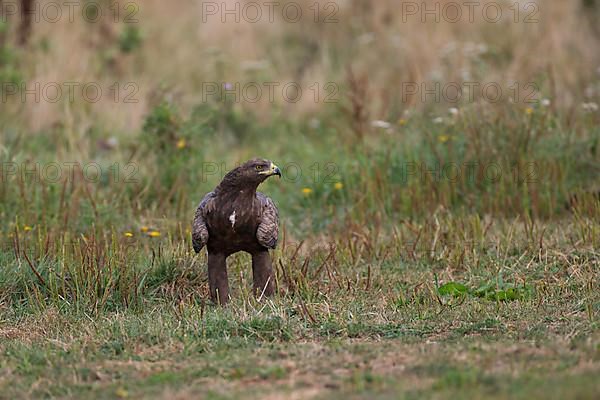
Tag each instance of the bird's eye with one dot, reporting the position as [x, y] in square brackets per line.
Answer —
[259, 167]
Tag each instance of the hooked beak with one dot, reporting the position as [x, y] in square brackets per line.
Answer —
[273, 170]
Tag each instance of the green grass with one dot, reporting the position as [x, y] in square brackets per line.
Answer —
[393, 282]
[366, 318]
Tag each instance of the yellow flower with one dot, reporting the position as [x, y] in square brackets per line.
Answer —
[401, 122]
[529, 111]
[128, 234]
[338, 186]
[27, 228]
[181, 144]
[144, 229]
[154, 234]
[307, 191]
[443, 138]
[122, 393]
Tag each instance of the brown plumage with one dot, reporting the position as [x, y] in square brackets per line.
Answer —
[235, 217]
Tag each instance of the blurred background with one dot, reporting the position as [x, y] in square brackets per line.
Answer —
[373, 109]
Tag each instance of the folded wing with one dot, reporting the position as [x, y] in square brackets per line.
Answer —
[268, 229]
[199, 228]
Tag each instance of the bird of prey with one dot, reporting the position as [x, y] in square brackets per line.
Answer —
[235, 217]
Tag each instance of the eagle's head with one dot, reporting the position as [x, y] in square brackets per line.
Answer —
[251, 174]
[258, 170]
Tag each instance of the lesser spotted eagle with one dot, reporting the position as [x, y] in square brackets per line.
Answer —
[235, 217]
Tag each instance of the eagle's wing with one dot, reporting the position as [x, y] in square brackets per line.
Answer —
[199, 228]
[268, 229]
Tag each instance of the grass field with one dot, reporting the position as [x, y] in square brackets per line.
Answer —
[428, 248]
[502, 314]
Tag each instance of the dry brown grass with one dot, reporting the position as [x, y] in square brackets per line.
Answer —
[180, 52]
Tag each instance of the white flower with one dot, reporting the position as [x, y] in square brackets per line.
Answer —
[453, 110]
[590, 107]
[471, 49]
[254, 65]
[366, 38]
[438, 120]
[545, 102]
[112, 142]
[449, 48]
[381, 124]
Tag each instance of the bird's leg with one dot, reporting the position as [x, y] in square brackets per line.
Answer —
[217, 278]
[262, 274]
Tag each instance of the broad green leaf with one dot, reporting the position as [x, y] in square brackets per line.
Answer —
[453, 289]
